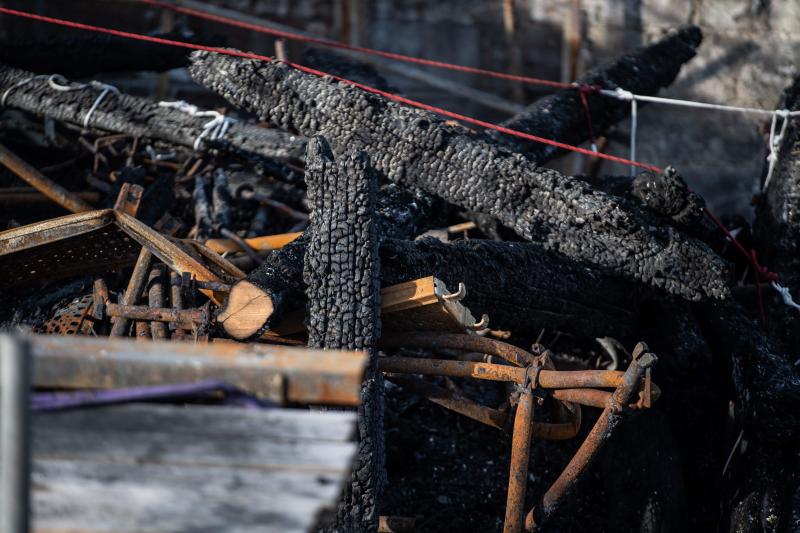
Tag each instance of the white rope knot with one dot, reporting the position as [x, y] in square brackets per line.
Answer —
[59, 83]
[20, 84]
[213, 130]
[619, 93]
[775, 141]
[786, 295]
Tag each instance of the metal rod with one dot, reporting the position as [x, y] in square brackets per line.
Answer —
[471, 343]
[184, 317]
[41, 183]
[520, 455]
[155, 299]
[134, 289]
[598, 436]
[14, 434]
[547, 379]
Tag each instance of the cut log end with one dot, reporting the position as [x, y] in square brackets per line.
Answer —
[247, 311]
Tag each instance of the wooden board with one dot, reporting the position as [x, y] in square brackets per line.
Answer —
[162, 469]
[282, 374]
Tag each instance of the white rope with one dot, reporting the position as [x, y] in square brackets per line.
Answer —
[620, 94]
[20, 84]
[59, 83]
[786, 295]
[214, 129]
[775, 143]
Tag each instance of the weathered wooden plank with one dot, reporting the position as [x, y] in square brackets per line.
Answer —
[144, 468]
[276, 372]
[171, 498]
[327, 426]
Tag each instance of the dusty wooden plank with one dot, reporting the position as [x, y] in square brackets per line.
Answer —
[204, 449]
[297, 424]
[280, 373]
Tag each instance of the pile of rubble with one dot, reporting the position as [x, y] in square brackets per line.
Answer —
[338, 219]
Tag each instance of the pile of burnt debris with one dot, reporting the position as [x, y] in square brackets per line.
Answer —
[527, 304]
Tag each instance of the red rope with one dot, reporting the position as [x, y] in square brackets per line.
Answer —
[583, 90]
[360, 49]
[367, 88]
[760, 271]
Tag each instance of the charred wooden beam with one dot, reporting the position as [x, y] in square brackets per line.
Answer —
[417, 149]
[520, 286]
[562, 116]
[341, 272]
[140, 117]
[258, 303]
[98, 53]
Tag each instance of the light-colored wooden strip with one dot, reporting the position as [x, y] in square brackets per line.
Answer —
[260, 244]
[415, 293]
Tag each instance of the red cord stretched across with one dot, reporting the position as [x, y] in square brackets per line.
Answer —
[360, 49]
[387, 95]
[760, 271]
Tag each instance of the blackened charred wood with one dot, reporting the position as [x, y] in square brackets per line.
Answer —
[258, 303]
[98, 53]
[140, 117]
[777, 227]
[520, 286]
[561, 115]
[342, 277]
[333, 63]
[417, 149]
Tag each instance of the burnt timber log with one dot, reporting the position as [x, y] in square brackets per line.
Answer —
[342, 273]
[561, 115]
[141, 117]
[763, 486]
[418, 149]
[521, 286]
[258, 303]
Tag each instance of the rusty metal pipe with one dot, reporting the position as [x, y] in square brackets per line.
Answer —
[41, 183]
[459, 369]
[598, 436]
[449, 400]
[133, 291]
[454, 341]
[155, 299]
[185, 317]
[547, 379]
[520, 455]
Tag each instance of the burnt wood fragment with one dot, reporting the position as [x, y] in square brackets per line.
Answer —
[343, 288]
[522, 287]
[141, 117]
[561, 115]
[417, 149]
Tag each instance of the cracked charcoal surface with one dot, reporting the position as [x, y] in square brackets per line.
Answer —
[417, 149]
[519, 285]
[343, 288]
[561, 115]
[141, 117]
[399, 213]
